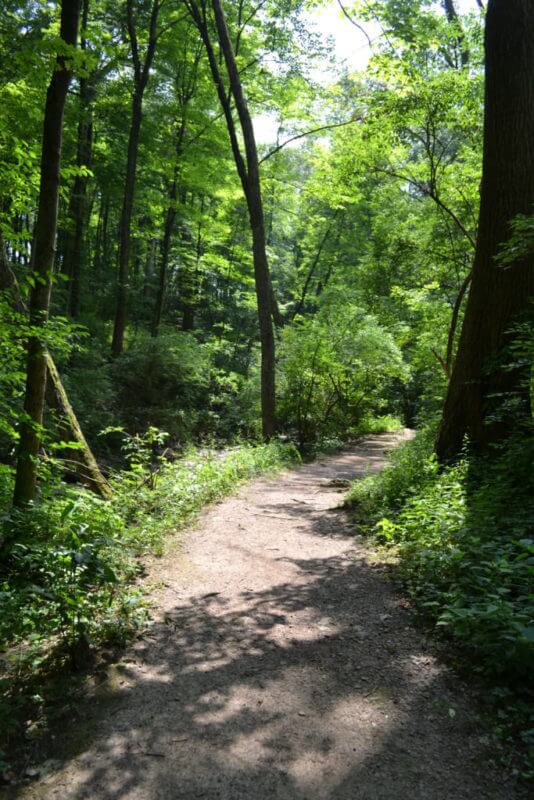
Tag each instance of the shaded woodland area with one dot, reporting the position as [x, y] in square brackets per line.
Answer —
[222, 250]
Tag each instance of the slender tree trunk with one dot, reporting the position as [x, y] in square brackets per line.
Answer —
[499, 295]
[141, 73]
[43, 259]
[278, 317]
[74, 247]
[168, 229]
[165, 249]
[125, 226]
[191, 277]
[150, 261]
[313, 267]
[454, 322]
[84, 463]
[452, 16]
[252, 188]
[101, 243]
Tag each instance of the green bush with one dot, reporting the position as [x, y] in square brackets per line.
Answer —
[465, 544]
[88, 381]
[410, 468]
[335, 370]
[162, 382]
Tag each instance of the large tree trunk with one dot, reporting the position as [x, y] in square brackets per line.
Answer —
[499, 295]
[43, 259]
[252, 189]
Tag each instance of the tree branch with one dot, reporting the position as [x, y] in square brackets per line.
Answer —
[353, 22]
[308, 133]
[434, 196]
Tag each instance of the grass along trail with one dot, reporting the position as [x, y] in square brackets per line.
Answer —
[280, 664]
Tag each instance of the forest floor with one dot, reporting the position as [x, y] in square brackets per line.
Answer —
[281, 662]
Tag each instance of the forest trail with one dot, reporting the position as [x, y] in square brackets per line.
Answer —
[281, 663]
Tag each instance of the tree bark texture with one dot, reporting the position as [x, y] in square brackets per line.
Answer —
[168, 230]
[125, 227]
[43, 259]
[499, 295]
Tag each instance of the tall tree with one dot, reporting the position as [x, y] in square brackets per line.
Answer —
[499, 294]
[43, 254]
[249, 174]
[74, 249]
[141, 72]
[454, 19]
[185, 85]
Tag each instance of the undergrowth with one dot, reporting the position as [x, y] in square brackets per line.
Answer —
[386, 423]
[70, 564]
[463, 538]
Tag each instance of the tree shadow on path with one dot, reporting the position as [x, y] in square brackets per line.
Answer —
[352, 708]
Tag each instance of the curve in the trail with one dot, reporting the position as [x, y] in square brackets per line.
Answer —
[280, 664]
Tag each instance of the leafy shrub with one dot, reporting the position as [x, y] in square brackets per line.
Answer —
[88, 381]
[335, 370]
[162, 382]
[60, 335]
[410, 468]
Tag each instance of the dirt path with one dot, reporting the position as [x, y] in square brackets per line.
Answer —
[281, 664]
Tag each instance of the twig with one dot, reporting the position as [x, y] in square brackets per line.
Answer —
[308, 133]
[353, 22]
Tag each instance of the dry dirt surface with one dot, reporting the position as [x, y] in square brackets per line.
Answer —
[280, 664]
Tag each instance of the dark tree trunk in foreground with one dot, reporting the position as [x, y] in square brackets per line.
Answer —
[43, 259]
[252, 188]
[248, 170]
[141, 73]
[499, 295]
